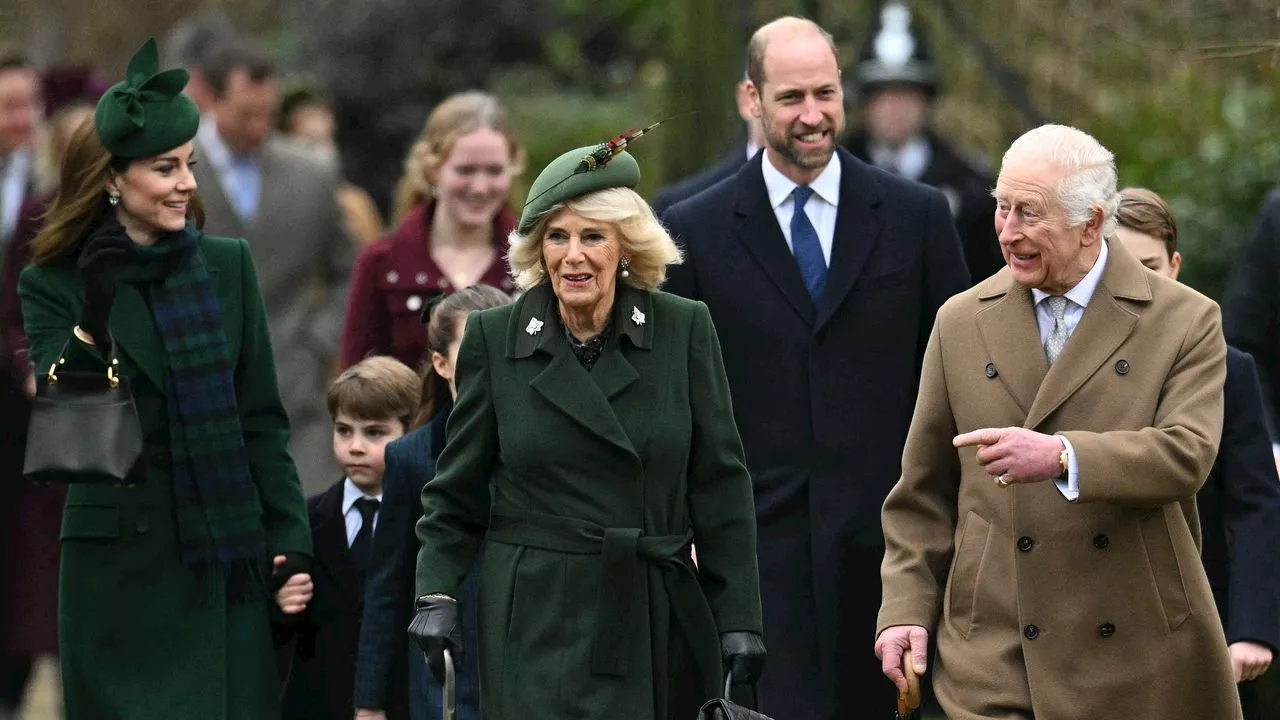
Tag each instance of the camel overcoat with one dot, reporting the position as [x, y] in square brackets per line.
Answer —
[1036, 605]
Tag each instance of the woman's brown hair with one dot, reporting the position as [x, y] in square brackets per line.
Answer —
[458, 115]
[446, 317]
[1146, 212]
[81, 202]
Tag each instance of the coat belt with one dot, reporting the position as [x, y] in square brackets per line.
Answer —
[625, 554]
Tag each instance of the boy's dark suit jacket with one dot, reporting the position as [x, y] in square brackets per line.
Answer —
[1240, 514]
[322, 683]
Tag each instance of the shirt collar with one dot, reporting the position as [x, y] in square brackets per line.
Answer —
[351, 493]
[16, 164]
[1082, 293]
[911, 160]
[216, 150]
[780, 187]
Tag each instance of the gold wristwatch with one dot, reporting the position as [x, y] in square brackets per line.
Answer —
[1064, 459]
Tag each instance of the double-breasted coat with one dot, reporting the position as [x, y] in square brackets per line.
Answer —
[139, 636]
[589, 604]
[1061, 610]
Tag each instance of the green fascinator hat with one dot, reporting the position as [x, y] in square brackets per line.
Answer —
[146, 113]
[580, 171]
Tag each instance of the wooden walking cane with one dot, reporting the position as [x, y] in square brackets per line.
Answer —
[909, 701]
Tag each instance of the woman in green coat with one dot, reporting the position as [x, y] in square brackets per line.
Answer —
[166, 586]
[599, 408]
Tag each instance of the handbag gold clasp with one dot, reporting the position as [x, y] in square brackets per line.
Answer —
[112, 379]
[53, 377]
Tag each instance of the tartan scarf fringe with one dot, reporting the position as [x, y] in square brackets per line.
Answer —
[218, 513]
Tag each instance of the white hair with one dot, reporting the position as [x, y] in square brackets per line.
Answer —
[1089, 171]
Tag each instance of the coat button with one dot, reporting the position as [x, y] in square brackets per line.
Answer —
[143, 527]
[1031, 632]
[1025, 543]
[1106, 630]
[1122, 367]
[1101, 541]
[991, 370]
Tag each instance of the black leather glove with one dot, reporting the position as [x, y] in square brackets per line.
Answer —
[438, 626]
[294, 564]
[104, 251]
[743, 656]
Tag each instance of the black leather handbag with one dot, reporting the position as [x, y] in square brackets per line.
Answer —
[84, 428]
[725, 709]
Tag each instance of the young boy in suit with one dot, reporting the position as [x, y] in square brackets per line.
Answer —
[371, 404]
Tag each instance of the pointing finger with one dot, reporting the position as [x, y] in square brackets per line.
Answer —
[984, 436]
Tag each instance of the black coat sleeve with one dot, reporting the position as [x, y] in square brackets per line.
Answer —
[1251, 307]
[945, 270]
[1251, 511]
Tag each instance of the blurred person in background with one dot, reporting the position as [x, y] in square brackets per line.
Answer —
[306, 116]
[193, 43]
[282, 198]
[896, 88]
[727, 166]
[453, 222]
[29, 532]
[410, 464]
[1239, 504]
[19, 122]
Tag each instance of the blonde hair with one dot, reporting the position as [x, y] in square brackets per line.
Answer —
[376, 388]
[458, 115]
[644, 241]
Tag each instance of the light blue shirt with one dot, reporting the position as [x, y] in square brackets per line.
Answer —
[821, 208]
[13, 187]
[1078, 299]
[240, 177]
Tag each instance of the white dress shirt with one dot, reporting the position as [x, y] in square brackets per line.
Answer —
[350, 494]
[821, 207]
[1078, 299]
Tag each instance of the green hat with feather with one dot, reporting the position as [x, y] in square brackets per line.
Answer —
[146, 113]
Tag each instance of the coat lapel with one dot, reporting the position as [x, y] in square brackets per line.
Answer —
[758, 229]
[332, 551]
[584, 397]
[215, 199]
[1011, 336]
[857, 230]
[1103, 327]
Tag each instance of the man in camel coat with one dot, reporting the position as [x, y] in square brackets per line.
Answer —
[1044, 532]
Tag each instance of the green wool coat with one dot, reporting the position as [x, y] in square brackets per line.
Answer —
[589, 604]
[140, 638]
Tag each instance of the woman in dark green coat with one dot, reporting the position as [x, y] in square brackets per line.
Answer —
[165, 587]
[600, 409]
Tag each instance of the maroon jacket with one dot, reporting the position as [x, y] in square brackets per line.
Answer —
[393, 281]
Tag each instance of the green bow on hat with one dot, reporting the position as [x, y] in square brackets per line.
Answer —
[146, 113]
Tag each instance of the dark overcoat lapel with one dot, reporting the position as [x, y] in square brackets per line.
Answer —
[536, 334]
[329, 528]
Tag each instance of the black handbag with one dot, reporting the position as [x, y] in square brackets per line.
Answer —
[84, 428]
[725, 709]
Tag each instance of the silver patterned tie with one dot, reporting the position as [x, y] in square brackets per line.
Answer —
[1058, 336]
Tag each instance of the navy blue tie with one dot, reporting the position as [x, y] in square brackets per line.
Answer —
[805, 245]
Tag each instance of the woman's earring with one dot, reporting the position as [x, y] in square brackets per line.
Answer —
[113, 199]
[625, 264]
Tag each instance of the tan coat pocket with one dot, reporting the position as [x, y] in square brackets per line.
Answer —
[966, 566]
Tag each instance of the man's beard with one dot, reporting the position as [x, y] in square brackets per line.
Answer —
[784, 144]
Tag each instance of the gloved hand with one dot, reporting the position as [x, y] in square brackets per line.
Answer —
[104, 251]
[743, 656]
[437, 626]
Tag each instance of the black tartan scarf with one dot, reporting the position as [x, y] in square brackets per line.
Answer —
[220, 532]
